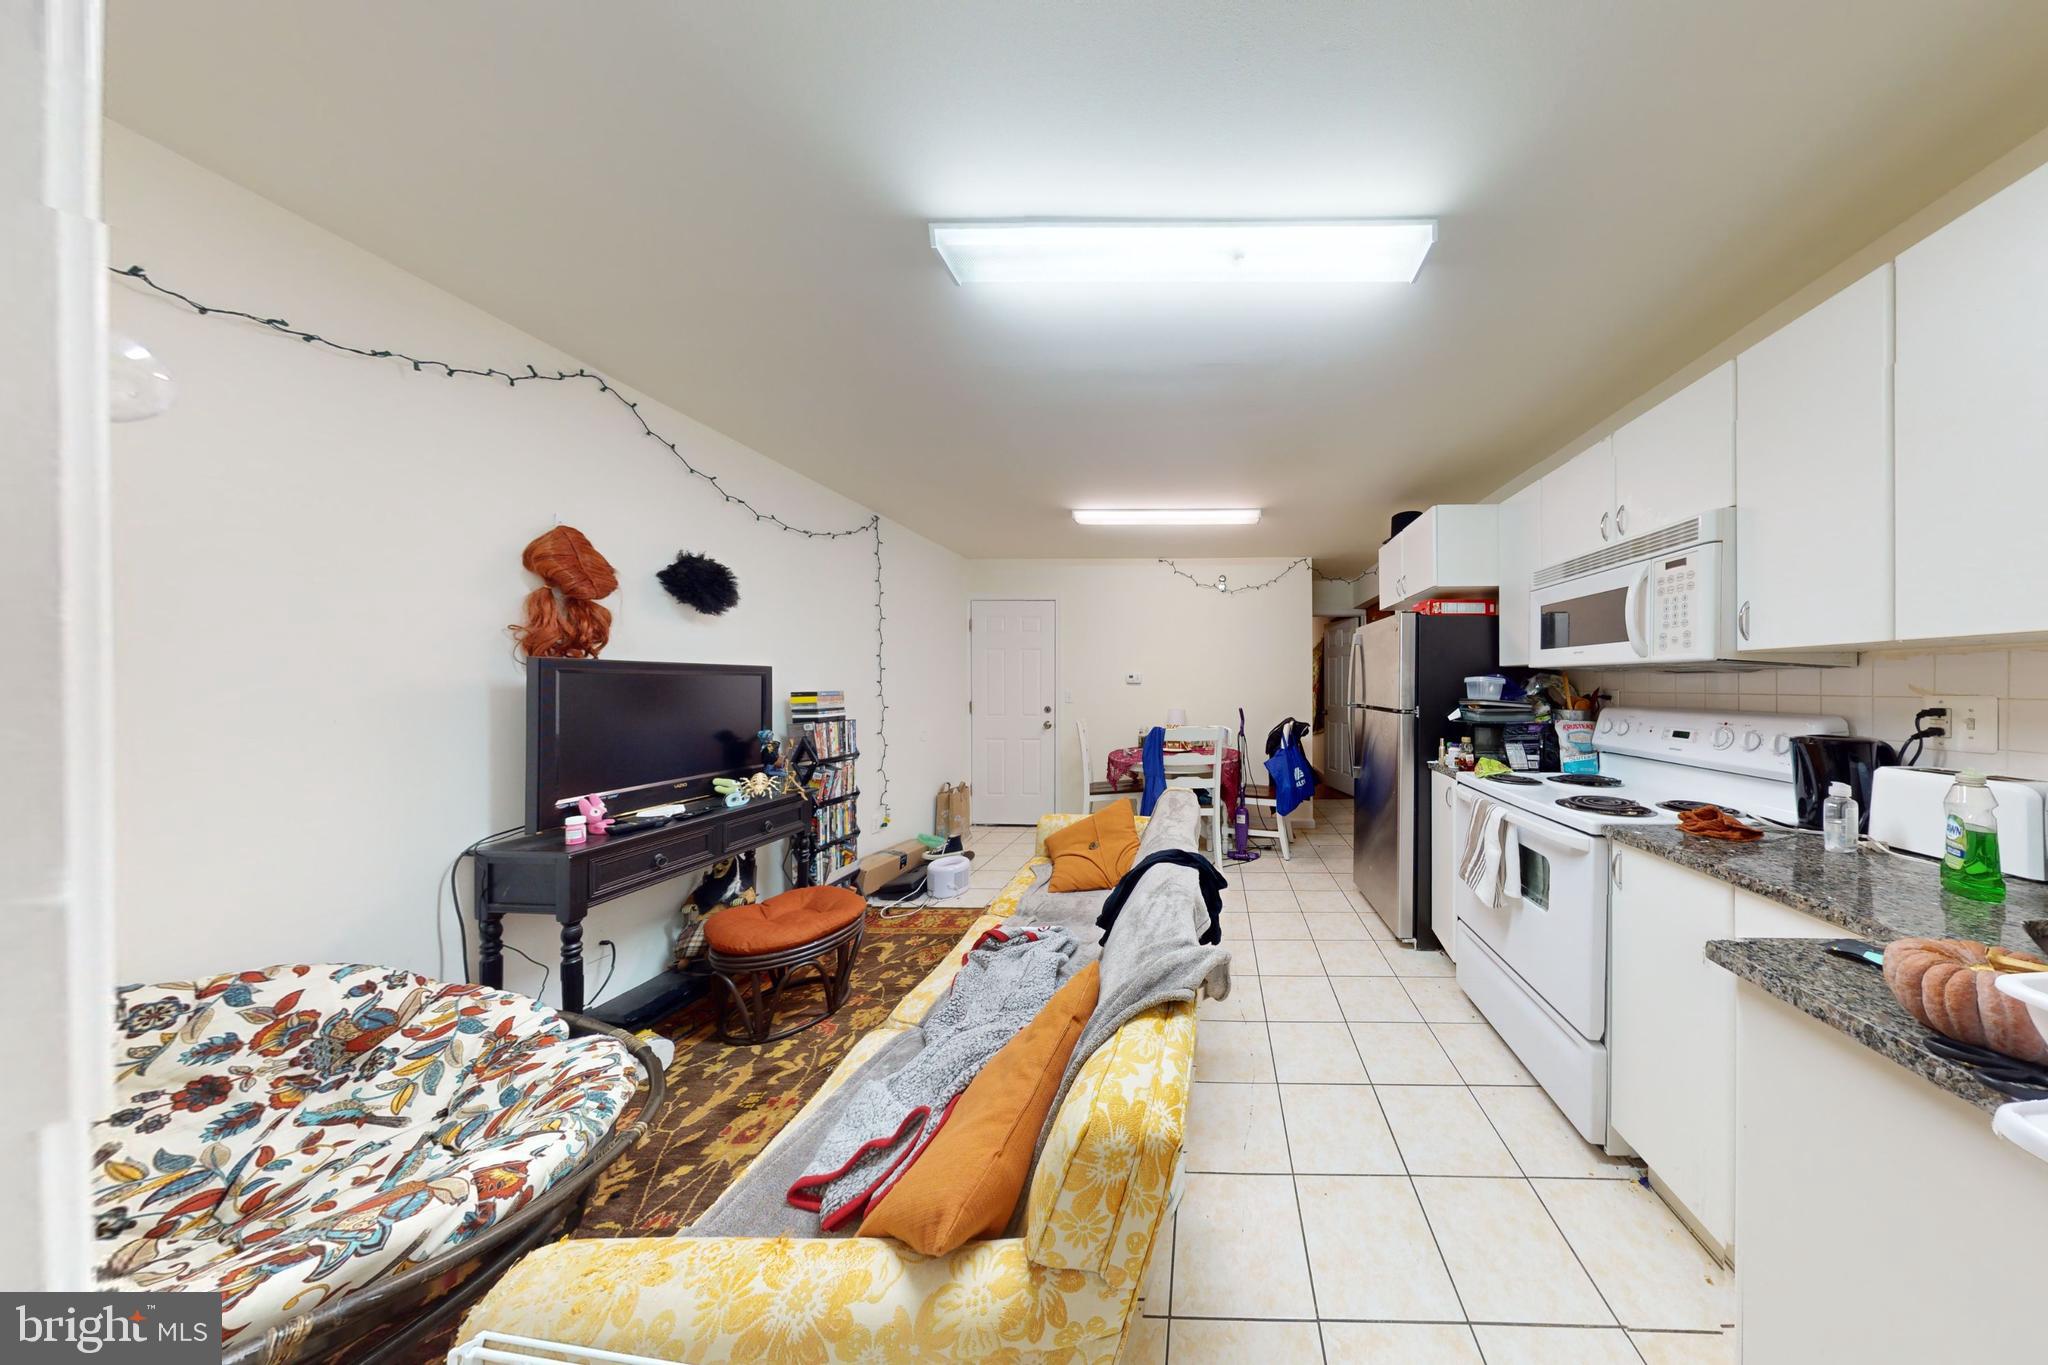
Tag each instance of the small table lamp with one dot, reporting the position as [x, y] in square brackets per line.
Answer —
[1176, 715]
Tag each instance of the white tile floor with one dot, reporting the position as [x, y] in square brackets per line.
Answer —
[1373, 1177]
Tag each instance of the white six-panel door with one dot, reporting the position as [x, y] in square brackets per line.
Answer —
[1013, 725]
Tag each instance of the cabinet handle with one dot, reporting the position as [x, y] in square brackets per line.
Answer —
[1614, 869]
[660, 860]
[1603, 526]
[1742, 620]
[1621, 520]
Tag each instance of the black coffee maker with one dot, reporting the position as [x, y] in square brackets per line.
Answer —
[1818, 760]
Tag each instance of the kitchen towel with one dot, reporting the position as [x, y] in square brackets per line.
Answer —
[1485, 864]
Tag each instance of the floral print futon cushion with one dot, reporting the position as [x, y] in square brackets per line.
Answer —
[291, 1135]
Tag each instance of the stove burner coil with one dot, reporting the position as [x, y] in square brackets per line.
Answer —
[1585, 780]
[1513, 780]
[1606, 805]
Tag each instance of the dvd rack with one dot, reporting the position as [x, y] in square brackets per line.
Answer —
[819, 725]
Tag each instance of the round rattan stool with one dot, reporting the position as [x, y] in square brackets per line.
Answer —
[755, 950]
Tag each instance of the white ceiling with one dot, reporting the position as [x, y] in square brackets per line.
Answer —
[724, 205]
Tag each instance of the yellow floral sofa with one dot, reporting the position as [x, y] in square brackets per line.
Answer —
[1063, 1292]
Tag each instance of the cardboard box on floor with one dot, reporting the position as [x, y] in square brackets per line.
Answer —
[877, 870]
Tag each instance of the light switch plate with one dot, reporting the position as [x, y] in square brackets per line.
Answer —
[1133, 679]
[1972, 724]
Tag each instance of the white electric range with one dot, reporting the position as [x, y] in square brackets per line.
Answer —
[1536, 963]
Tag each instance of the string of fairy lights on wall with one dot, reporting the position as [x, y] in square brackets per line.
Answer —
[871, 528]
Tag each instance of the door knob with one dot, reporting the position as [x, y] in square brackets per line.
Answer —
[1048, 725]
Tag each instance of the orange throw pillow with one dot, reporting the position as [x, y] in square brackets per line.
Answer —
[1093, 854]
[966, 1182]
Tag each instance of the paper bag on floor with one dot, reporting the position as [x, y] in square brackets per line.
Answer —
[952, 812]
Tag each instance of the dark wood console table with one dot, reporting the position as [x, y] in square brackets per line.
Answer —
[540, 875]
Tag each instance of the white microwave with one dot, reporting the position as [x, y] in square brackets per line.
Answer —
[1666, 598]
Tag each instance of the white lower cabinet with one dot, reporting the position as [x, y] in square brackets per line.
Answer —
[1443, 869]
[1671, 1043]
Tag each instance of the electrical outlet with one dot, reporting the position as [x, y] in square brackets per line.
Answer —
[1971, 722]
[1133, 679]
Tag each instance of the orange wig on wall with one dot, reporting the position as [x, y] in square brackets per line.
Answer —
[563, 618]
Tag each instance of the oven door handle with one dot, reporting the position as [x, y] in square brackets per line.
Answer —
[1510, 863]
[1635, 610]
[1550, 837]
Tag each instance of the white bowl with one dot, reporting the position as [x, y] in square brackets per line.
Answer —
[1486, 688]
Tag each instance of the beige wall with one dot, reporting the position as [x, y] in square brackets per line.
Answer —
[1195, 648]
[316, 556]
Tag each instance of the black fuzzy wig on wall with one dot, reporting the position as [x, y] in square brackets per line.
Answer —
[701, 582]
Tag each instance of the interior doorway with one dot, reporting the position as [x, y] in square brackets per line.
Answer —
[1013, 721]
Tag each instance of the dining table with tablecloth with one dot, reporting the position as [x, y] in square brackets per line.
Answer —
[1126, 768]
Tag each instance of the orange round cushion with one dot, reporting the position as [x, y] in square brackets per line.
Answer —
[789, 920]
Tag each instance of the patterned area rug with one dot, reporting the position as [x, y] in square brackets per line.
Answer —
[725, 1102]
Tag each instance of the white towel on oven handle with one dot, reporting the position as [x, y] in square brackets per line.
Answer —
[1486, 863]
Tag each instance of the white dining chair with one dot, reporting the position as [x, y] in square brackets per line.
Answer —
[1095, 787]
[1201, 772]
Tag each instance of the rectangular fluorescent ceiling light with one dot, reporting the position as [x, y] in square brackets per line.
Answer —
[1166, 516]
[1358, 251]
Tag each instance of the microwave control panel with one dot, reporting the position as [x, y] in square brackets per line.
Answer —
[1676, 611]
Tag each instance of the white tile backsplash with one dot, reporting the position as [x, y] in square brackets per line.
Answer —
[2025, 725]
[1902, 675]
[2029, 674]
[1876, 697]
[1973, 673]
[1799, 682]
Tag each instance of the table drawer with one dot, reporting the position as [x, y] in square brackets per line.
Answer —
[746, 827]
[651, 860]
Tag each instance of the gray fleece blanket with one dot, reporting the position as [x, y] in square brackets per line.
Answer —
[1152, 959]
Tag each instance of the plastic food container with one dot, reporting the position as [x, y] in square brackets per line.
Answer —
[1487, 688]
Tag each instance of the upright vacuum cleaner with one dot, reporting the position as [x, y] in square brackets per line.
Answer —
[1240, 818]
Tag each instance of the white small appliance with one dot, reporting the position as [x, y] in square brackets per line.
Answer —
[1906, 813]
[1536, 963]
[1665, 598]
[947, 876]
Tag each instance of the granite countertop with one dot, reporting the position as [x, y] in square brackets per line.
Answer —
[1848, 997]
[1873, 895]
[1448, 769]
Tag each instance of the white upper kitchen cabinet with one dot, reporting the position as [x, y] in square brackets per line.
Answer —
[1813, 443]
[1518, 517]
[1448, 551]
[1577, 505]
[1971, 453]
[1678, 459]
[1389, 569]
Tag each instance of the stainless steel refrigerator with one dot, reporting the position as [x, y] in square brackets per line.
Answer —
[1411, 675]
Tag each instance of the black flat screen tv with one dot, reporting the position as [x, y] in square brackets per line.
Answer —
[642, 734]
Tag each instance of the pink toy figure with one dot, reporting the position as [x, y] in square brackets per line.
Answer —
[592, 808]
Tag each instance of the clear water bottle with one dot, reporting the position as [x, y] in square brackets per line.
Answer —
[1841, 820]
[1970, 863]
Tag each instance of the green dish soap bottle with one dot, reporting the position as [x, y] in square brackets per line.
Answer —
[1969, 857]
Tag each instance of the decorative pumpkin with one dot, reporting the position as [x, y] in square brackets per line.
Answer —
[1946, 984]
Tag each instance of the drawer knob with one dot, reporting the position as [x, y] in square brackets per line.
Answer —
[661, 860]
